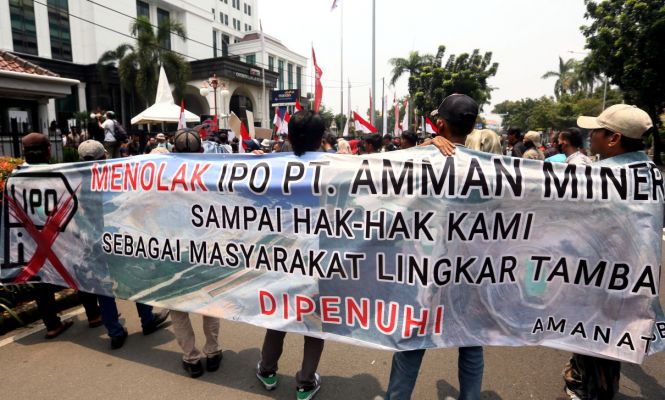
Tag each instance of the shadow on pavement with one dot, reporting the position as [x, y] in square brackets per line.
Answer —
[445, 389]
[649, 386]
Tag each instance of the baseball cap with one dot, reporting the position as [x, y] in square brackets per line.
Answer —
[534, 137]
[160, 136]
[458, 108]
[251, 145]
[625, 119]
[91, 150]
[187, 141]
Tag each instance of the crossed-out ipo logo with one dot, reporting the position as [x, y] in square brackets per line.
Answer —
[37, 207]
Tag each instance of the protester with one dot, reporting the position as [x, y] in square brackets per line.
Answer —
[515, 142]
[306, 130]
[224, 142]
[91, 150]
[188, 141]
[343, 146]
[110, 142]
[159, 150]
[485, 140]
[329, 142]
[532, 145]
[555, 153]
[409, 140]
[36, 151]
[134, 146]
[95, 130]
[152, 144]
[74, 138]
[388, 144]
[571, 141]
[160, 138]
[455, 120]
[373, 143]
[617, 137]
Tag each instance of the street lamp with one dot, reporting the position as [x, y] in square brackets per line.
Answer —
[225, 95]
[205, 90]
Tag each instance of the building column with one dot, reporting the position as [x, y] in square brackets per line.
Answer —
[43, 116]
[81, 97]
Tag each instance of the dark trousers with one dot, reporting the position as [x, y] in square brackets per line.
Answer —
[45, 299]
[592, 378]
[89, 302]
[273, 345]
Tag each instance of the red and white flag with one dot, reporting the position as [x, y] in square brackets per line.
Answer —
[318, 90]
[405, 120]
[182, 122]
[430, 127]
[277, 119]
[362, 125]
[371, 110]
[397, 130]
[298, 106]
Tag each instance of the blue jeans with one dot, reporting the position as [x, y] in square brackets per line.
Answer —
[406, 365]
[110, 315]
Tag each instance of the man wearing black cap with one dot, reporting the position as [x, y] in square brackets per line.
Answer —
[456, 118]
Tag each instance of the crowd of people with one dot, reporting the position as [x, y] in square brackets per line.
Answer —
[616, 134]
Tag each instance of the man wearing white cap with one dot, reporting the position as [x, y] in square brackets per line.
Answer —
[617, 137]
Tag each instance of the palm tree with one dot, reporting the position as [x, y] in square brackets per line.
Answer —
[587, 75]
[138, 65]
[411, 64]
[566, 81]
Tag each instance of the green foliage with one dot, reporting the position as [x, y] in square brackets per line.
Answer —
[466, 74]
[626, 39]
[138, 65]
[327, 116]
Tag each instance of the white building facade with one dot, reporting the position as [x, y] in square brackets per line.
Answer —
[63, 34]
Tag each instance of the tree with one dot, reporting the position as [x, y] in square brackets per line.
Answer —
[566, 78]
[327, 116]
[465, 74]
[626, 39]
[412, 64]
[138, 65]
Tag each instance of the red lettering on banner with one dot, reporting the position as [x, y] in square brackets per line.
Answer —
[116, 178]
[197, 177]
[99, 181]
[304, 306]
[160, 177]
[410, 322]
[380, 317]
[131, 176]
[263, 295]
[355, 312]
[438, 321]
[180, 178]
[285, 308]
[330, 310]
[150, 168]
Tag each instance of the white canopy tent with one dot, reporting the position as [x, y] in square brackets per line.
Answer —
[164, 109]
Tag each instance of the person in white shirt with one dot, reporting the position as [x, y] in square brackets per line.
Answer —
[110, 143]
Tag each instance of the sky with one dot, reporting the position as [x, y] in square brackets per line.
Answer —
[526, 38]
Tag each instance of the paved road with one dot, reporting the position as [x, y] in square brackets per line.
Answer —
[79, 365]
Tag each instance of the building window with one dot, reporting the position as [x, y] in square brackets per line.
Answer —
[163, 17]
[236, 24]
[225, 1]
[225, 45]
[58, 21]
[280, 70]
[223, 19]
[213, 14]
[271, 63]
[214, 43]
[249, 10]
[24, 33]
[245, 7]
[298, 77]
[250, 59]
[236, 4]
[142, 9]
[290, 75]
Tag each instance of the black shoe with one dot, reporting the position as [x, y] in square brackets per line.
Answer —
[212, 363]
[156, 323]
[118, 341]
[194, 370]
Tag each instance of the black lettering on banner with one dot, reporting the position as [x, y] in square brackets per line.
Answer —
[232, 220]
[478, 184]
[216, 255]
[508, 265]
[420, 225]
[462, 269]
[603, 335]
[638, 180]
[538, 327]
[569, 182]
[619, 277]
[378, 224]
[646, 280]
[390, 184]
[589, 182]
[454, 225]
[539, 265]
[442, 271]
[658, 184]
[620, 185]
[355, 264]
[554, 326]
[295, 171]
[316, 182]
[279, 256]
[579, 330]
[363, 180]
[106, 242]
[232, 260]
[381, 274]
[197, 219]
[197, 252]
[560, 269]
[514, 181]
[222, 177]
[299, 220]
[585, 277]
[438, 178]
[660, 326]
[262, 186]
[626, 340]
[238, 173]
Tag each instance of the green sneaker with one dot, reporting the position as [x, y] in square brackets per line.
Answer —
[269, 381]
[308, 392]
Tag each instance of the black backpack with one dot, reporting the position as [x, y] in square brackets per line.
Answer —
[119, 132]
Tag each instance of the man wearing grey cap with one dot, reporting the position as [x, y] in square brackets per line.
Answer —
[617, 137]
[456, 119]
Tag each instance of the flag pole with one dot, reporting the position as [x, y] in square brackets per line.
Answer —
[341, 58]
[371, 111]
[384, 127]
[264, 110]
